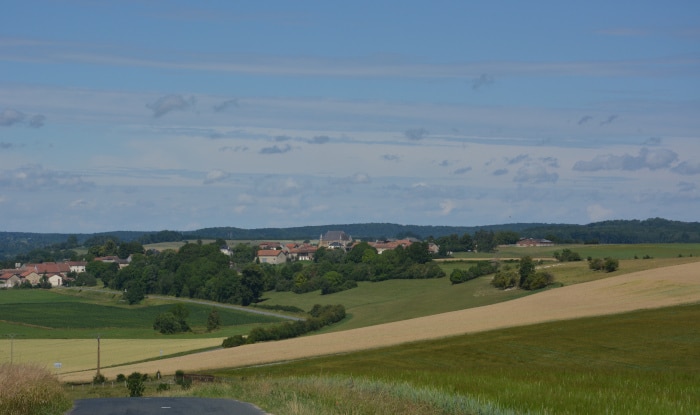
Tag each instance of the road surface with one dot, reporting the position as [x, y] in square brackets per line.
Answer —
[163, 406]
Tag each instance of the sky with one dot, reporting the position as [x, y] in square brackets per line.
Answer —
[150, 115]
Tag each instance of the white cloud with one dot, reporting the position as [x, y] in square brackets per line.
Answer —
[215, 176]
[598, 213]
[447, 206]
[650, 159]
[687, 168]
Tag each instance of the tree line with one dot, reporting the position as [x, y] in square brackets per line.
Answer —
[654, 230]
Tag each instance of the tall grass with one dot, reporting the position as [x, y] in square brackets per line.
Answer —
[29, 390]
[341, 395]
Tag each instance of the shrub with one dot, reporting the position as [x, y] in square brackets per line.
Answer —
[99, 379]
[567, 255]
[320, 316]
[234, 341]
[537, 280]
[179, 376]
[481, 268]
[596, 264]
[608, 264]
[611, 264]
[135, 384]
[506, 278]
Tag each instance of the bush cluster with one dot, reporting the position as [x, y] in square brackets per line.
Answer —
[606, 264]
[537, 280]
[505, 278]
[567, 255]
[481, 268]
[320, 316]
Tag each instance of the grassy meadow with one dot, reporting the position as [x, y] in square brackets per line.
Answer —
[621, 251]
[640, 362]
[394, 300]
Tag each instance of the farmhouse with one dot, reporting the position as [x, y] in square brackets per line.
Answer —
[60, 268]
[30, 276]
[56, 280]
[271, 256]
[270, 246]
[525, 242]
[77, 266]
[303, 252]
[9, 279]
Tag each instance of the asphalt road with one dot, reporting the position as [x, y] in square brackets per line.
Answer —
[162, 406]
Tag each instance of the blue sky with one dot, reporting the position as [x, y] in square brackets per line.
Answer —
[151, 115]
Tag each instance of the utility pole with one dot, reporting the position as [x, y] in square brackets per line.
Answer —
[98, 356]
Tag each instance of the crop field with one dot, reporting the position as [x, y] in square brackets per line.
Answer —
[645, 289]
[81, 354]
[55, 314]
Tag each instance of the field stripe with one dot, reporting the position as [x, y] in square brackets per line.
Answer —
[661, 287]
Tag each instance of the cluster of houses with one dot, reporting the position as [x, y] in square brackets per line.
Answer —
[55, 273]
[278, 253]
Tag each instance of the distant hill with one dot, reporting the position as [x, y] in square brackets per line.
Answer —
[654, 230]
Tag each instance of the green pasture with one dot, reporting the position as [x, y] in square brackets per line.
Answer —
[394, 300]
[641, 362]
[386, 301]
[621, 251]
[38, 314]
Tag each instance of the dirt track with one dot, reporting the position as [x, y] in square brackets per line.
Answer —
[655, 288]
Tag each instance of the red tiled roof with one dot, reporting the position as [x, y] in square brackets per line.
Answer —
[269, 252]
[49, 267]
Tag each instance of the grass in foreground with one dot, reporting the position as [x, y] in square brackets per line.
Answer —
[31, 389]
[641, 362]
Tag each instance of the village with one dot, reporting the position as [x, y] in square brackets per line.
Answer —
[56, 274]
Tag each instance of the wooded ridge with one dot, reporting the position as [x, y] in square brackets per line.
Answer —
[655, 230]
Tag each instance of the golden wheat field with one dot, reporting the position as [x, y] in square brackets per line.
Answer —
[661, 287]
[71, 355]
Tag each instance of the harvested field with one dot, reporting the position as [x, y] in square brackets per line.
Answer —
[655, 288]
[81, 354]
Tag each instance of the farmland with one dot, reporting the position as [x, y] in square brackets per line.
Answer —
[406, 337]
[639, 361]
[61, 326]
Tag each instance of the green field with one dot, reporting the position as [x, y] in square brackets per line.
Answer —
[54, 314]
[622, 251]
[642, 362]
[387, 301]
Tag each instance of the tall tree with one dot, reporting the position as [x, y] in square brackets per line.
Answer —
[527, 268]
